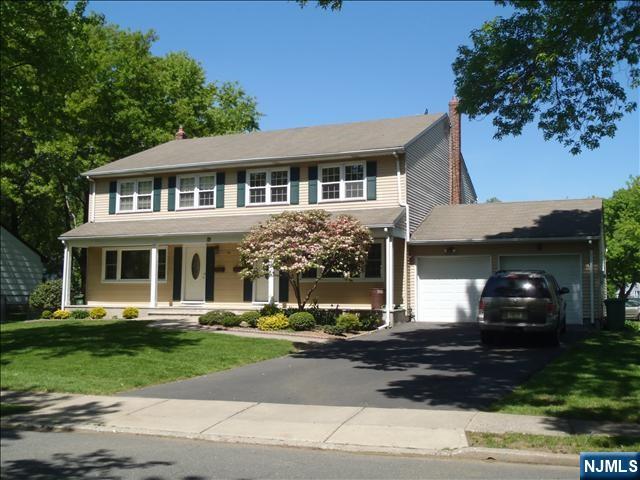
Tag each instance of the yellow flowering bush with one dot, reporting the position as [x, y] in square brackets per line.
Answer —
[61, 314]
[98, 312]
[273, 322]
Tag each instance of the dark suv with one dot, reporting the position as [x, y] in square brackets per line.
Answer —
[525, 301]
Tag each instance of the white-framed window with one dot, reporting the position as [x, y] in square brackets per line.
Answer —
[131, 264]
[342, 182]
[196, 191]
[268, 187]
[134, 195]
[373, 269]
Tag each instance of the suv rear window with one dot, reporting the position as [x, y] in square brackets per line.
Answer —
[516, 286]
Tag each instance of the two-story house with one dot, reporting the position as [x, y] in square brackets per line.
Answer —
[164, 224]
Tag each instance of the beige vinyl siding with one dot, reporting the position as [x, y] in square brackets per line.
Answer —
[227, 285]
[398, 271]
[496, 250]
[386, 196]
[343, 293]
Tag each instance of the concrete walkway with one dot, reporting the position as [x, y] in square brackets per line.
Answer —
[330, 427]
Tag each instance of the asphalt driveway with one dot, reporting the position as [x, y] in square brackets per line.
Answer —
[410, 366]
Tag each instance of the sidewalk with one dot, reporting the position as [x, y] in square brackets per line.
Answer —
[433, 432]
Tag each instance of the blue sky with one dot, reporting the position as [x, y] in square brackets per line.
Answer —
[374, 60]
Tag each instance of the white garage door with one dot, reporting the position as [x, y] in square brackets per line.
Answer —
[566, 270]
[449, 288]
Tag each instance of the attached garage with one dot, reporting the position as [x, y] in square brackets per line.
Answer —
[457, 247]
[449, 288]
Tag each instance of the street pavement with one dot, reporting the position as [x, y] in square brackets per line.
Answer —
[44, 456]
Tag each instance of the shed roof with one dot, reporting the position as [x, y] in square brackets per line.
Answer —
[211, 225]
[296, 143]
[549, 219]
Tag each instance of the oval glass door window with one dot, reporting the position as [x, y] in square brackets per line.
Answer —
[195, 266]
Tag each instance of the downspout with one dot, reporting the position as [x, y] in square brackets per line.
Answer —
[92, 191]
[591, 284]
[402, 201]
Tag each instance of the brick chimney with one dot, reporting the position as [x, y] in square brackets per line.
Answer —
[454, 153]
[180, 135]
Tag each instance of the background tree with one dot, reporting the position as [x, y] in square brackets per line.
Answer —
[622, 233]
[552, 61]
[493, 200]
[297, 242]
[78, 93]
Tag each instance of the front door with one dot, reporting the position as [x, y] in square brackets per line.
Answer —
[194, 274]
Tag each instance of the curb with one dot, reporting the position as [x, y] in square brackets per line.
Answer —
[464, 453]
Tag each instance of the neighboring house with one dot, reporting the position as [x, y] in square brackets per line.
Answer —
[180, 209]
[22, 270]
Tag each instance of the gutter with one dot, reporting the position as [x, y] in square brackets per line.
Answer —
[247, 162]
[504, 240]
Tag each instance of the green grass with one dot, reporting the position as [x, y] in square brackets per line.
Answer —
[598, 379]
[102, 357]
[13, 408]
[547, 443]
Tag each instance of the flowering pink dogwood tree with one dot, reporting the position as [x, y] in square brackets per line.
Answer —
[297, 242]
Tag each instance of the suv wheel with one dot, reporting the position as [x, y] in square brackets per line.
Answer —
[553, 338]
[487, 338]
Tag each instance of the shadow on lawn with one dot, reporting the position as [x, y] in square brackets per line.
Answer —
[101, 340]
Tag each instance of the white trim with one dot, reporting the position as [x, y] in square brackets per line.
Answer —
[153, 276]
[267, 187]
[119, 250]
[389, 281]
[134, 195]
[342, 182]
[580, 271]
[65, 301]
[196, 190]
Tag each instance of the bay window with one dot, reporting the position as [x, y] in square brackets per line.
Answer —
[135, 195]
[132, 264]
[342, 182]
[266, 187]
[196, 191]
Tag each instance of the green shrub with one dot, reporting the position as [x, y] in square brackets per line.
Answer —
[130, 312]
[251, 318]
[97, 313]
[273, 322]
[333, 330]
[370, 320]
[47, 295]
[46, 314]
[61, 314]
[215, 317]
[79, 314]
[269, 310]
[231, 321]
[302, 321]
[324, 316]
[349, 322]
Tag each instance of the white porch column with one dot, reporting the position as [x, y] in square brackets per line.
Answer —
[389, 279]
[271, 285]
[153, 275]
[65, 301]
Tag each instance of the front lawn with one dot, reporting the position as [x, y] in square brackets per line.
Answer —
[599, 379]
[555, 444]
[103, 357]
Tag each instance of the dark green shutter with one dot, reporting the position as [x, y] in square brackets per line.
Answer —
[313, 184]
[294, 186]
[157, 191]
[177, 273]
[247, 290]
[242, 178]
[283, 287]
[172, 194]
[209, 273]
[113, 190]
[372, 172]
[220, 190]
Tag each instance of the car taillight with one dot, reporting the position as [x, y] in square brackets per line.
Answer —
[551, 308]
[481, 306]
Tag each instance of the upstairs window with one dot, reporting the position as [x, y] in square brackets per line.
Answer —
[196, 191]
[266, 187]
[135, 195]
[342, 182]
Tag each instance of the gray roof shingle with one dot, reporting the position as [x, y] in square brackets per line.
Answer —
[498, 221]
[295, 143]
[211, 225]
